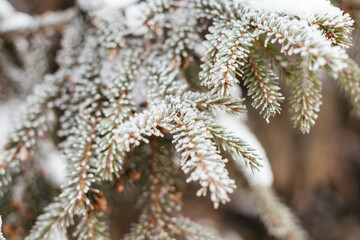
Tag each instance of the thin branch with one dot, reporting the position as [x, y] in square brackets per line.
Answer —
[42, 24]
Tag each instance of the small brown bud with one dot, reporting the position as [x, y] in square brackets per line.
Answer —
[23, 153]
[113, 53]
[146, 23]
[176, 198]
[96, 20]
[159, 31]
[134, 175]
[175, 7]
[163, 130]
[152, 221]
[71, 80]
[185, 63]
[120, 185]
[101, 201]
[174, 63]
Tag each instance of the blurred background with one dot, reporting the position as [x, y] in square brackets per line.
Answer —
[317, 175]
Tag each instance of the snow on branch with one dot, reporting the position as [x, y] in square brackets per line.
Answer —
[130, 134]
[307, 88]
[349, 83]
[143, 93]
[30, 127]
[262, 84]
[215, 103]
[200, 158]
[19, 24]
[226, 52]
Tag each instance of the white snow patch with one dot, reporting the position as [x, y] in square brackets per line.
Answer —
[5, 9]
[119, 3]
[306, 9]
[134, 19]
[264, 177]
[16, 21]
[8, 112]
[1, 235]
[11, 19]
[53, 163]
[90, 5]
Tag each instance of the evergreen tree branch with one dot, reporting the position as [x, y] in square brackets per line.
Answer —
[205, 101]
[279, 220]
[119, 106]
[278, 59]
[262, 85]
[51, 223]
[92, 226]
[306, 98]
[135, 130]
[30, 128]
[200, 158]
[239, 149]
[349, 83]
[183, 38]
[162, 81]
[160, 200]
[336, 29]
[228, 56]
[297, 37]
[80, 168]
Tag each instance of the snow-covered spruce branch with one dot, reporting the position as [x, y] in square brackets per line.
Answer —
[82, 93]
[279, 62]
[184, 40]
[77, 196]
[319, 39]
[81, 170]
[162, 81]
[225, 55]
[32, 124]
[120, 107]
[279, 221]
[161, 202]
[211, 102]
[349, 83]
[55, 220]
[123, 85]
[131, 133]
[71, 42]
[31, 127]
[51, 224]
[278, 218]
[240, 150]
[159, 7]
[93, 226]
[262, 84]
[200, 158]
[110, 24]
[117, 108]
[296, 37]
[306, 98]
[337, 29]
